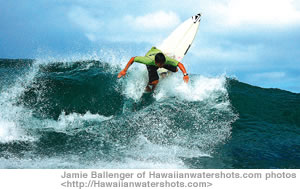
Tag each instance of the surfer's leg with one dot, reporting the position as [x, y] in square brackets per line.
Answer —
[148, 89]
[151, 86]
[163, 75]
[153, 78]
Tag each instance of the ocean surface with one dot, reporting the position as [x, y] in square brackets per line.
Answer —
[72, 113]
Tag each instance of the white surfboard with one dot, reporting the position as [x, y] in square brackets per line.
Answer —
[177, 44]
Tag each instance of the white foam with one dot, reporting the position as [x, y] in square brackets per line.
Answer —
[75, 120]
[12, 116]
[135, 82]
[41, 163]
[145, 154]
[14, 123]
[198, 88]
[10, 132]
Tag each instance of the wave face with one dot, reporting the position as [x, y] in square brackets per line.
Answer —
[77, 114]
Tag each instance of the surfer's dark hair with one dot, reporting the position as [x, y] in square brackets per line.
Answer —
[160, 58]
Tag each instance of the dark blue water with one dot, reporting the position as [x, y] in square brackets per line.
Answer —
[77, 114]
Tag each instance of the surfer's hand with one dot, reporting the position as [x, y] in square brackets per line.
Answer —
[186, 78]
[122, 73]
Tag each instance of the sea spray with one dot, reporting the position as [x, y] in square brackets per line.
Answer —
[75, 113]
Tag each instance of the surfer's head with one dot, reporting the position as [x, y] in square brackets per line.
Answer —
[160, 59]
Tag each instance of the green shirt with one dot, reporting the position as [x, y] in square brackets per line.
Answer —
[149, 58]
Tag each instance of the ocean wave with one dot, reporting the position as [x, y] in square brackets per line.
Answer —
[64, 109]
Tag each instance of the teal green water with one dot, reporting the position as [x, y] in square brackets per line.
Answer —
[79, 115]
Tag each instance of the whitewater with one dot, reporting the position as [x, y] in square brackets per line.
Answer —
[75, 113]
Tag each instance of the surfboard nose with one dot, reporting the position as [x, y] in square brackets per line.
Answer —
[197, 18]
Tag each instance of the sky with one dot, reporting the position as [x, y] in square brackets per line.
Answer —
[255, 41]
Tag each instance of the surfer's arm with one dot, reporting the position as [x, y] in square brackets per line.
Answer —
[185, 75]
[123, 72]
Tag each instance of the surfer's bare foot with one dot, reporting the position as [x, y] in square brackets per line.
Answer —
[148, 89]
[163, 75]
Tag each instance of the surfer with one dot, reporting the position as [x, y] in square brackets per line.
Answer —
[155, 59]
